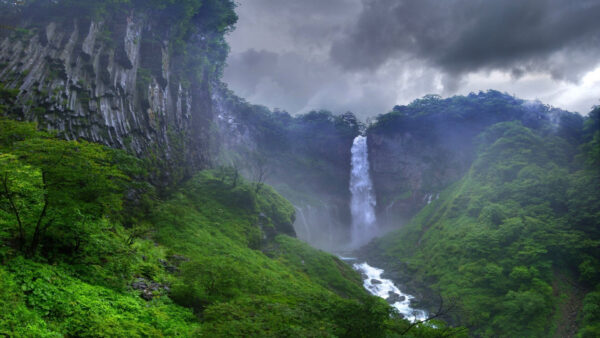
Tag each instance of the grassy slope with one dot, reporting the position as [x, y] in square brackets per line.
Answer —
[292, 289]
[224, 285]
[214, 256]
[513, 241]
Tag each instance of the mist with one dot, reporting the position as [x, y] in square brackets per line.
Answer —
[299, 168]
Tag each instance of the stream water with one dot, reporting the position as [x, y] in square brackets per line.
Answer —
[387, 290]
[364, 228]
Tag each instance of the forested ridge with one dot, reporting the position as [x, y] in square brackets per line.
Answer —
[140, 197]
[88, 249]
[514, 243]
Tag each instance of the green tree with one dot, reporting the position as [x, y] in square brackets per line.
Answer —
[51, 184]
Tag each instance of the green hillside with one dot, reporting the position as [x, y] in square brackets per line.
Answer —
[515, 243]
[87, 250]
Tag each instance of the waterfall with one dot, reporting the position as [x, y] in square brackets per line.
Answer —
[305, 234]
[362, 204]
[364, 228]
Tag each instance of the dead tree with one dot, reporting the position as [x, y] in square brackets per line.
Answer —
[442, 311]
[260, 170]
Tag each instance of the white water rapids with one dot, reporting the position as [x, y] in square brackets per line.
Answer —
[386, 289]
[364, 228]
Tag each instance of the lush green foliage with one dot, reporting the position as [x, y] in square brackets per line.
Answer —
[216, 254]
[508, 242]
[54, 193]
[590, 315]
[313, 148]
[46, 301]
[60, 204]
[421, 148]
[240, 290]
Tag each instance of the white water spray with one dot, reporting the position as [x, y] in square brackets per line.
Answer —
[305, 233]
[362, 205]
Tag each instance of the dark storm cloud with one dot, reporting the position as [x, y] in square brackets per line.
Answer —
[307, 21]
[559, 37]
[368, 55]
[298, 84]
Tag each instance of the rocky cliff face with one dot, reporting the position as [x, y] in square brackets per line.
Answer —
[409, 169]
[417, 150]
[118, 81]
[110, 82]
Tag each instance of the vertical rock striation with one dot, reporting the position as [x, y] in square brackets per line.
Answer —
[418, 150]
[110, 82]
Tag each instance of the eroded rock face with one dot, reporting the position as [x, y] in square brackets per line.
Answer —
[110, 83]
[148, 288]
[410, 169]
[418, 150]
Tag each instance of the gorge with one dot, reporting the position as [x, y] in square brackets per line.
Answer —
[141, 197]
[364, 229]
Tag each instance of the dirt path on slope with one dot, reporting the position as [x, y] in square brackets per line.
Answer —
[570, 307]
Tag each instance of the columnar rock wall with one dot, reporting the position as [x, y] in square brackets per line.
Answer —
[111, 83]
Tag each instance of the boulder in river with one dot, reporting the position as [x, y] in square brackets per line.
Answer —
[394, 297]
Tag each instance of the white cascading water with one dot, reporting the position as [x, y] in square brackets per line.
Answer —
[362, 204]
[386, 289]
[364, 228]
[304, 232]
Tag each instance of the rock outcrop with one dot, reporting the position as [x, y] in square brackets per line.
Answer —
[111, 82]
[417, 150]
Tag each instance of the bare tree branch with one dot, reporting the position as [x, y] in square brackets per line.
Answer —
[38, 226]
[439, 313]
[14, 209]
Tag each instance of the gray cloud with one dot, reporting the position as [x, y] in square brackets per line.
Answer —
[560, 37]
[297, 83]
[286, 80]
[368, 55]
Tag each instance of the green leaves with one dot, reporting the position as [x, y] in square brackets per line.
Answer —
[51, 190]
[43, 300]
[498, 239]
[21, 197]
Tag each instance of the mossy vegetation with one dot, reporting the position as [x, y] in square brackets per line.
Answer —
[88, 250]
[517, 238]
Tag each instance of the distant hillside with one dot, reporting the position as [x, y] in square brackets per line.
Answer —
[418, 150]
[514, 243]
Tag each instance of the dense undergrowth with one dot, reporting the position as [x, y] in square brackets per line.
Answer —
[420, 148]
[515, 243]
[213, 259]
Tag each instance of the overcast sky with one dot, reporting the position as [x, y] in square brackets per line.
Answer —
[366, 56]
